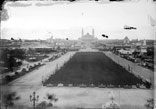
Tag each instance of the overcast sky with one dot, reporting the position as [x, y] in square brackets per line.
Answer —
[63, 20]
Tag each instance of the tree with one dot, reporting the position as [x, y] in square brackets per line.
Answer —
[44, 104]
[4, 59]
[17, 53]
[150, 51]
[136, 53]
[150, 104]
[51, 98]
[9, 98]
[12, 58]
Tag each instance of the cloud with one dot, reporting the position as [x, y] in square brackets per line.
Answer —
[4, 15]
[44, 4]
[17, 4]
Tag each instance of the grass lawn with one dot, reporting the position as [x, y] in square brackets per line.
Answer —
[93, 68]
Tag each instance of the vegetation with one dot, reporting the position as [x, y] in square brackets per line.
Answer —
[9, 98]
[18, 74]
[150, 104]
[150, 52]
[12, 58]
[51, 98]
[40, 50]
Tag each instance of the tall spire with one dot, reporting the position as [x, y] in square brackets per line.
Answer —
[92, 32]
[144, 42]
[82, 33]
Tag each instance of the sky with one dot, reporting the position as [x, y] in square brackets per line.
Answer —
[41, 20]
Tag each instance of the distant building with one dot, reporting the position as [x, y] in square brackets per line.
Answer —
[50, 40]
[126, 40]
[144, 42]
[143, 49]
[88, 37]
[138, 44]
[134, 41]
[12, 44]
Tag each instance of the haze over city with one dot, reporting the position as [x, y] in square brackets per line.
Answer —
[68, 19]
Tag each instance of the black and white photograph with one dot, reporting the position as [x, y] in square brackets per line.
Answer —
[78, 54]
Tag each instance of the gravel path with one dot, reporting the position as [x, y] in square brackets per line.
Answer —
[137, 70]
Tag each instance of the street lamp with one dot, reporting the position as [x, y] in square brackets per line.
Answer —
[112, 99]
[111, 96]
[34, 99]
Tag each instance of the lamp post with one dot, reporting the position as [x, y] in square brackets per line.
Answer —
[34, 99]
[112, 98]
[42, 81]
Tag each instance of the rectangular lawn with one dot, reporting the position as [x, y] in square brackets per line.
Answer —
[93, 68]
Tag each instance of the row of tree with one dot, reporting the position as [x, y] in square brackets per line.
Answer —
[11, 58]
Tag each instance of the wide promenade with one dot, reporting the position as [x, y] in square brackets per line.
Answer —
[136, 69]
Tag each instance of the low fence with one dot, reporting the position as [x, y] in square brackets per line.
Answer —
[137, 86]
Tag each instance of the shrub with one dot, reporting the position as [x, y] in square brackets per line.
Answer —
[16, 73]
[8, 78]
[23, 70]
